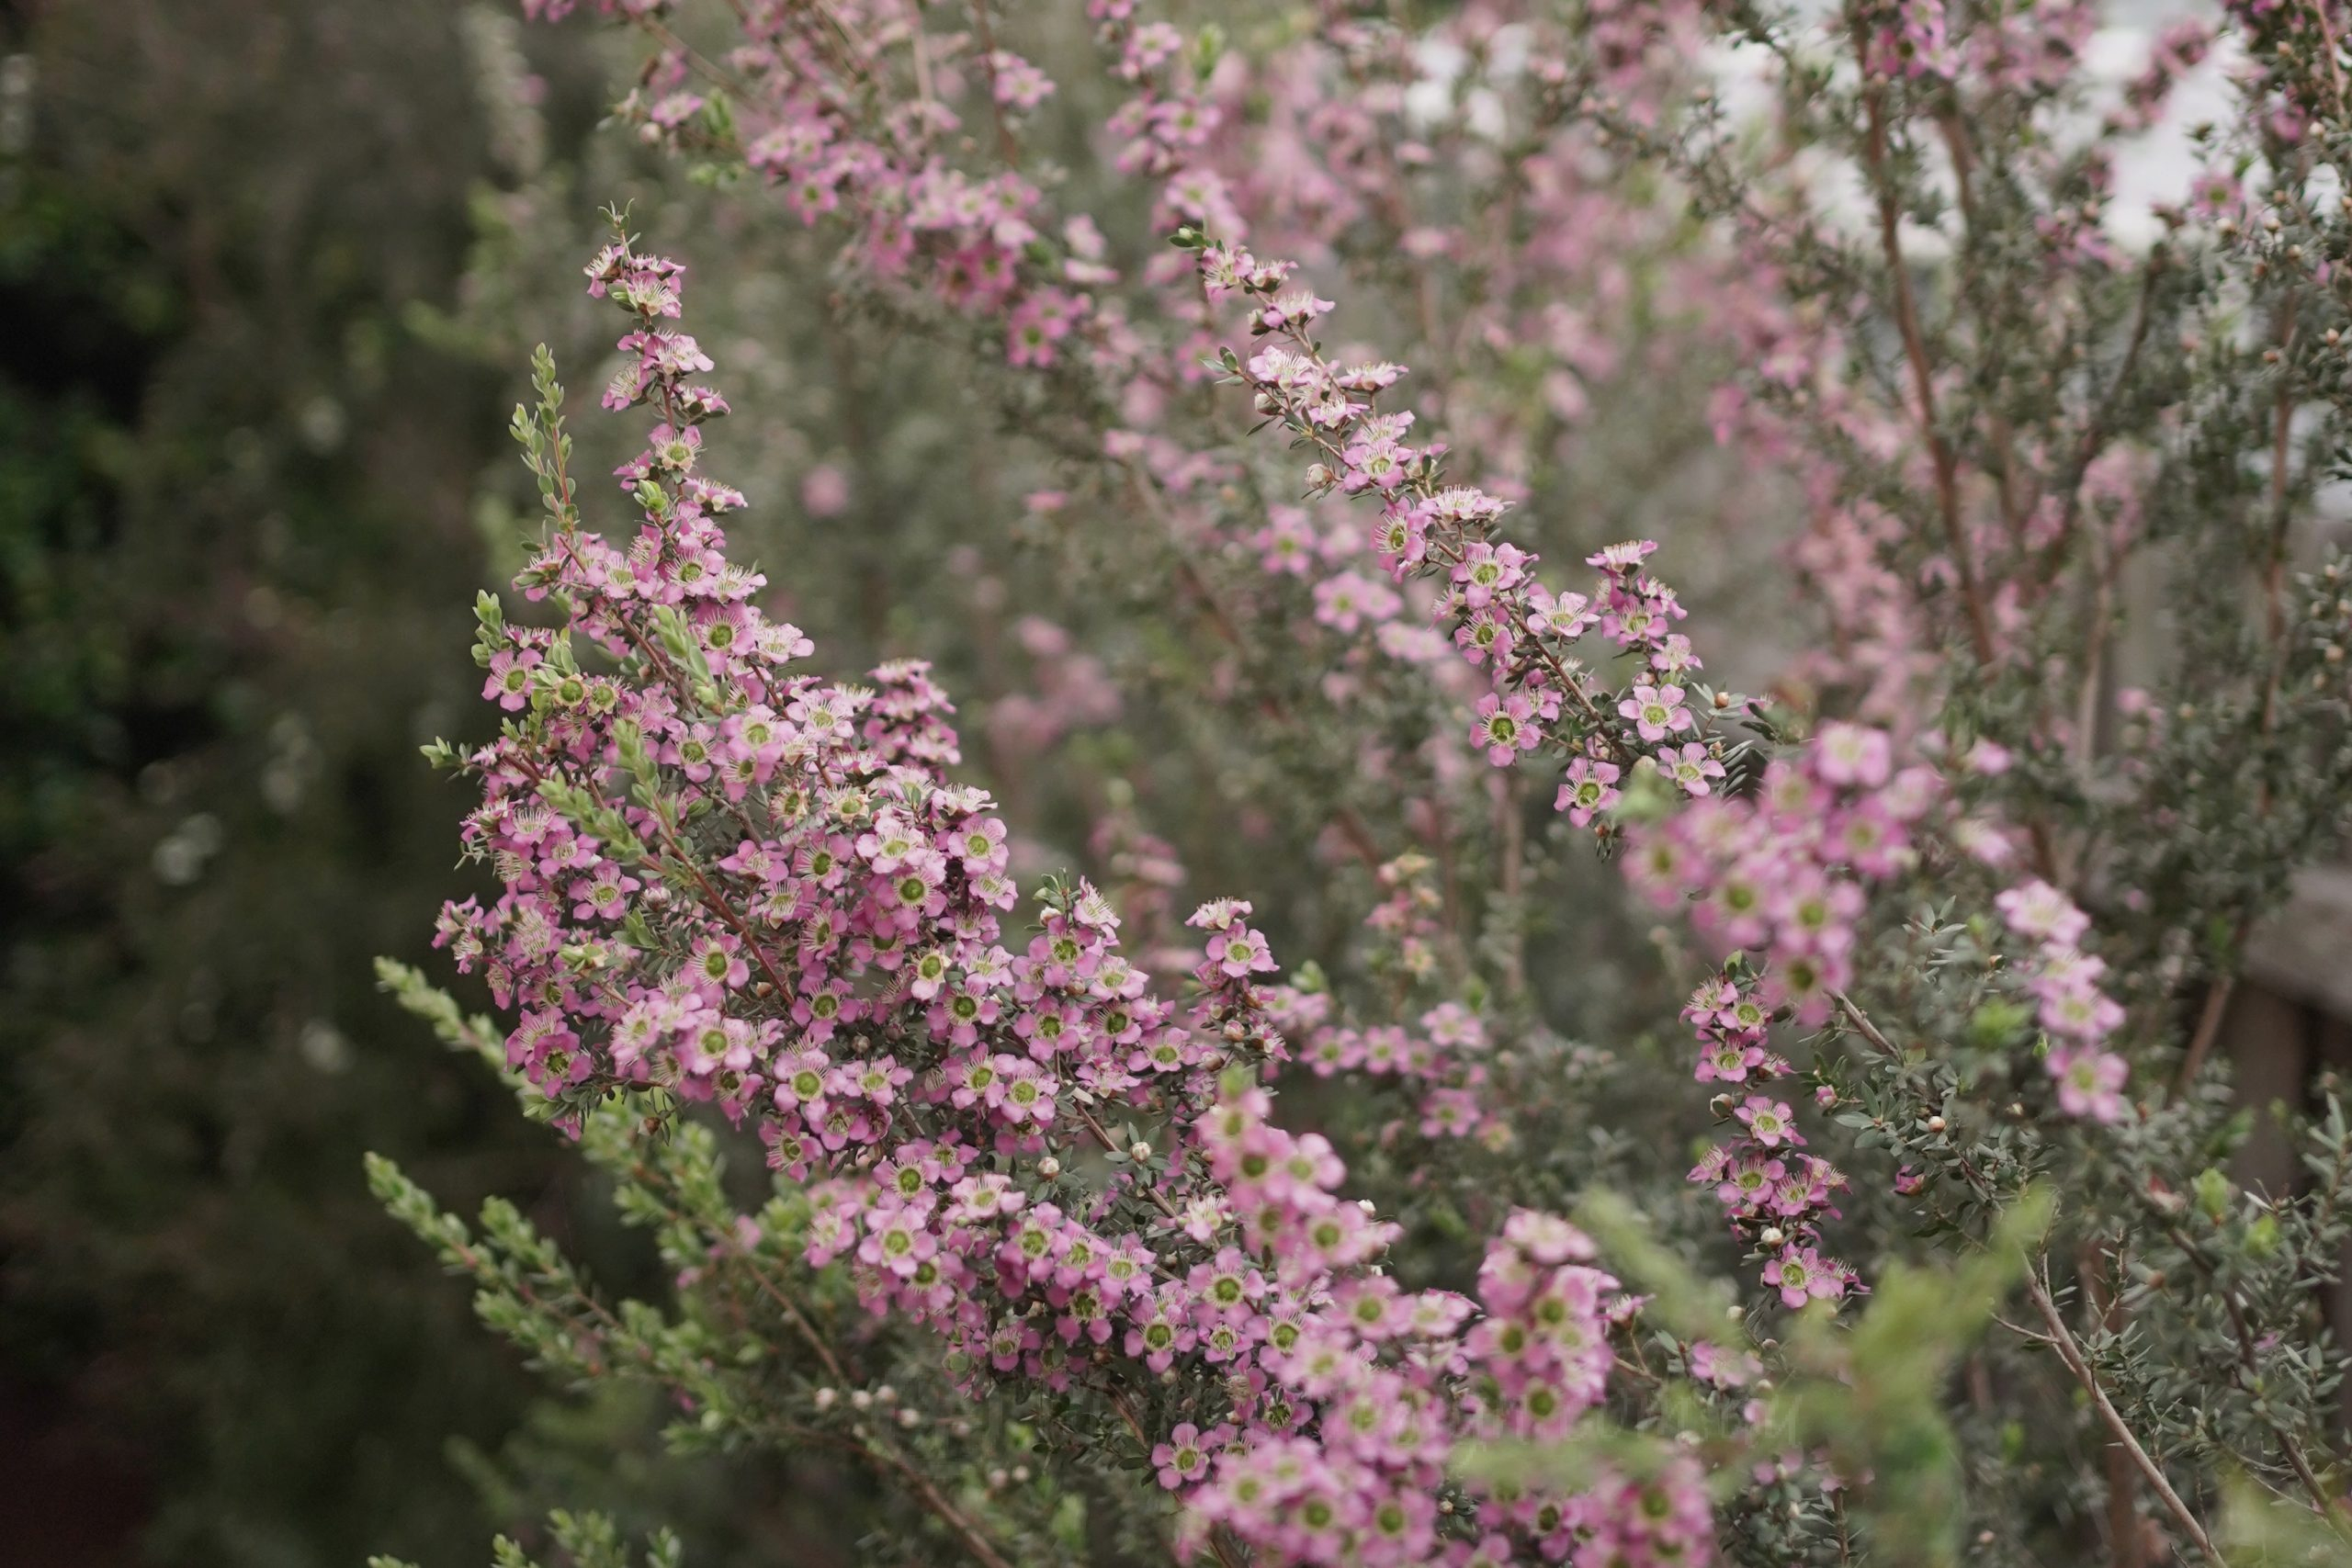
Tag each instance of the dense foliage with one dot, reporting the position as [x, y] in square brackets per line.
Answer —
[1299, 1010]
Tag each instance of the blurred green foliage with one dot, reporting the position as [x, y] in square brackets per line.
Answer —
[234, 490]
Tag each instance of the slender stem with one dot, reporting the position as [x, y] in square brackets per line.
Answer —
[2062, 1340]
[2249, 1360]
[1511, 848]
[2209, 1029]
[928, 1493]
[1940, 457]
[718, 904]
[1345, 818]
[2328, 52]
[2125, 1543]
[1006, 148]
[1086, 1119]
[2274, 573]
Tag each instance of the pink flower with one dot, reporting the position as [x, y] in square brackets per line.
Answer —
[1591, 788]
[1657, 711]
[1852, 754]
[510, 678]
[1505, 727]
[1801, 1274]
[2090, 1083]
[1239, 951]
[1768, 1122]
[1692, 767]
[2036, 909]
[1183, 1459]
[1346, 600]
[1487, 569]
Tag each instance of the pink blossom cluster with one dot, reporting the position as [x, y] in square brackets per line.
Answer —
[752, 887]
[2073, 1011]
[1500, 617]
[858, 115]
[855, 112]
[1437, 1060]
[1774, 1193]
[1399, 1382]
[1781, 874]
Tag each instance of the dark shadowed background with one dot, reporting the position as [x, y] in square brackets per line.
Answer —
[234, 542]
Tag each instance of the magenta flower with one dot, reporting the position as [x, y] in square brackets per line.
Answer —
[1692, 767]
[1238, 950]
[1852, 754]
[2090, 1083]
[1505, 727]
[1801, 1274]
[1657, 711]
[1590, 789]
[1769, 1122]
[2034, 908]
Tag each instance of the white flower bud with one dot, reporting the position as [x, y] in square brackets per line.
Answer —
[1049, 1168]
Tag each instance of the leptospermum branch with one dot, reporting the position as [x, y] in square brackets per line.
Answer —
[2061, 1338]
[921, 1074]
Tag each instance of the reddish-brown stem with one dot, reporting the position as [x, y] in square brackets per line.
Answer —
[1941, 460]
[2209, 1029]
[2249, 1360]
[717, 903]
[2060, 1340]
[1006, 148]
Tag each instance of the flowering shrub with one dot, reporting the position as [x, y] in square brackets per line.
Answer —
[1954, 909]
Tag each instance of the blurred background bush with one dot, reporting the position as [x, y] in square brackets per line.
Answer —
[236, 538]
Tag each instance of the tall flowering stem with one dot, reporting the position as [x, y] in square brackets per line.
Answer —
[1498, 614]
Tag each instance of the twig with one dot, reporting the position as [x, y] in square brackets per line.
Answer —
[2249, 1358]
[2209, 1028]
[2062, 1340]
[1914, 351]
[1006, 148]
